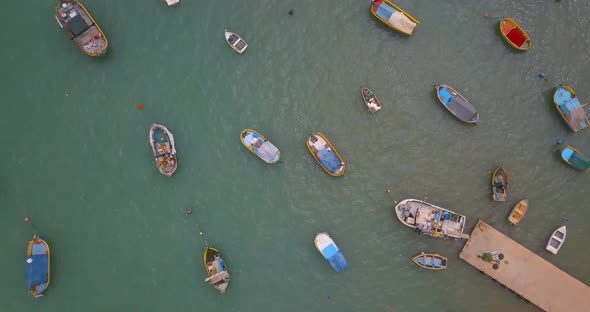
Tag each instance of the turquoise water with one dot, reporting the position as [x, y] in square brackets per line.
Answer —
[79, 164]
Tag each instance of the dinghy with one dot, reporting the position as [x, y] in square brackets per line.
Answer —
[235, 42]
[518, 212]
[570, 109]
[162, 143]
[326, 155]
[333, 255]
[393, 16]
[515, 35]
[73, 17]
[556, 241]
[430, 261]
[373, 104]
[457, 104]
[500, 184]
[431, 220]
[575, 158]
[216, 270]
[38, 266]
[260, 146]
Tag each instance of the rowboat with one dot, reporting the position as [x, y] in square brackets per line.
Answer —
[216, 270]
[162, 143]
[518, 212]
[393, 16]
[331, 253]
[260, 146]
[38, 266]
[373, 104]
[73, 17]
[575, 158]
[557, 239]
[235, 42]
[428, 219]
[570, 109]
[430, 261]
[515, 35]
[326, 155]
[457, 104]
[500, 184]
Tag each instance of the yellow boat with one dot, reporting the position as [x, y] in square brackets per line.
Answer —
[326, 155]
[393, 16]
[73, 17]
[216, 270]
[518, 212]
[38, 266]
[515, 35]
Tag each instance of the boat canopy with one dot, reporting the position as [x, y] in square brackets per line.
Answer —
[77, 25]
[329, 159]
[570, 105]
[337, 261]
[267, 151]
[37, 270]
[218, 277]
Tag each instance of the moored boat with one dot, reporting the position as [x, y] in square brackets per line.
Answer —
[218, 276]
[556, 240]
[518, 212]
[330, 251]
[373, 104]
[457, 104]
[163, 148]
[73, 17]
[430, 220]
[326, 155]
[393, 16]
[431, 261]
[570, 109]
[235, 42]
[260, 146]
[172, 2]
[514, 34]
[38, 266]
[500, 184]
[575, 158]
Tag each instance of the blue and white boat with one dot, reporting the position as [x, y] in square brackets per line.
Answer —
[162, 143]
[570, 109]
[325, 154]
[333, 255]
[575, 158]
[38, 266]
[457, 104]
[260, 146]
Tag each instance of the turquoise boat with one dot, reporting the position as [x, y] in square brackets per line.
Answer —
[575, 158]
[457, 104]
[570, 109]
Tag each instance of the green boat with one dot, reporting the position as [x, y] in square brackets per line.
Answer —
[575, 158]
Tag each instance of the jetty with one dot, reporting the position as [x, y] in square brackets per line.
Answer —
[524, 272]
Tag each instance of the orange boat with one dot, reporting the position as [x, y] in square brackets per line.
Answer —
[515, 35]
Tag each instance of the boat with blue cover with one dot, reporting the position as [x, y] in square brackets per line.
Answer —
[326, 155]
[575, 158]
[217, 273]
[163, 148]
[393, 16]
[260, 146]
[428, 219]
[73, 17]
[457, 104]
[570, 109]
[38, 266]
[431, 261]
[333, 255]
[500, 184]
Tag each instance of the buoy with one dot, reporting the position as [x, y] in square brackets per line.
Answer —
[200, 233]
[188, 210]
[388, 191]
[559, 141]
[486, 14]
[140, 106]
[542, 75]
[291, 12]
[27, 219]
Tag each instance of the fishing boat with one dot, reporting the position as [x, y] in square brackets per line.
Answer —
[518, 212]
[515, 35]
[260, 146]
[162, 142]
[331, 253]
[235, 42]
[556, 241]
[431, 220]
[373, 104]
[457, 104]
[575, 158]
[216, 270]
[38, 266]
[326, 155]
[500, 184]
[430, 261]
[73, 17]
[570, 109]
[393, 16]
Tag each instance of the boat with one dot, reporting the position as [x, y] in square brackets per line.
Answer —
[575, 158]
[393, 16]
[260, 146]
[431, 220]
[162, 142]
[500, 184]
[373, 104]
[38, 266]
[235, 42]
[515, 35]
[172, 2]
[431, 261]
[326, 155]
[457, 104]
[556, 241]
[73, 17]
[570, 109]
[216, 270]
[518, 212]
[331, 253]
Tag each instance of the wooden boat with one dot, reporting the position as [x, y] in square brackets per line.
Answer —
[430, 261]
[38, 266]
[216, 270]
[162, 143]
[326, 155]
[260, 146]
[430, 220]
[457, 104]
[331, 253]
[575, 158]
[557, 239]
[373, 104]
[73, 17]
[570, 109]
[235, 42]
[518, 212]
[393, 16]
[515, 35]
[500, 184]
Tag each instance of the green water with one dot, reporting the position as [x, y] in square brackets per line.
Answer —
[78, 162]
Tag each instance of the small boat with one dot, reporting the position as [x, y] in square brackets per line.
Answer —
[162, 142]
[430, 220]
[457, 104]
[172, 2]
[393, 16]
[556, 241]
[570, 109]
[326, 155]
[430, 261]
[216, 270]
[518, 212]
[515, 36]
[38, 266]
[333, 255]
[373, 104]
[500, 184]
[235, 42]
[72, 16]
[260, 146]
[575, 158]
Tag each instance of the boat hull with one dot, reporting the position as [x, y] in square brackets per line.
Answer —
[457, 104]
[315, 150]
[566, 96]
[164, 150]
[102, 38]
[271, 158]
[500, 184]
[556, 240]
[431, 261]
[215, 266]
[235, 41]
[575, 158]
[518, 212]
[371, 101]
[514, 34]
[38, 266]
[431, 220]
[399, 20]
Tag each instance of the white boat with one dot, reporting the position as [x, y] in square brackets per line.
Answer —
[556, 241]
[162, 143]
[172, 2]
[235, 42]
[326, 246]
[430, 220]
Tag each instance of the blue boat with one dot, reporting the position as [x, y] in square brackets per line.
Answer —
[570, 109]
[38, 266]
[333, 255]
[575, 158]
[457, 104]
[325, 154]
[260, 146]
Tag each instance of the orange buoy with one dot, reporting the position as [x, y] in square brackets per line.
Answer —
[486, 14]
[27, 219]
[140, 106]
